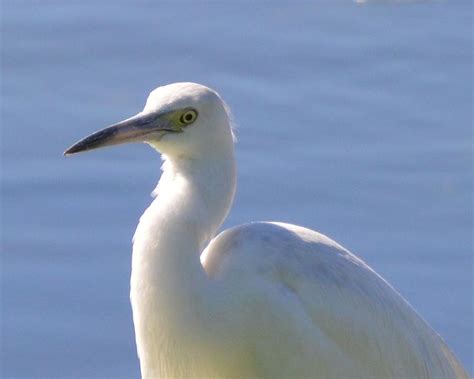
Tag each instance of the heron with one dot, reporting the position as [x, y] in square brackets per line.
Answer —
[259, 300]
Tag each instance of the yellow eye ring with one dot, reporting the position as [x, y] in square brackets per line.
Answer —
[188, 117]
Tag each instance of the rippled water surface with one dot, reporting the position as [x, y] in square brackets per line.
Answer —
[353, 119]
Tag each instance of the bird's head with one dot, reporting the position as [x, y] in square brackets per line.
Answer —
[180, 119]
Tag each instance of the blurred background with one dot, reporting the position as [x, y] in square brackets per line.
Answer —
[353, 119]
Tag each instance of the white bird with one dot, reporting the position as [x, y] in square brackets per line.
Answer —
[260, 300]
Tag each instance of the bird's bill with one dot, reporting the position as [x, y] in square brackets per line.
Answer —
[134, 129]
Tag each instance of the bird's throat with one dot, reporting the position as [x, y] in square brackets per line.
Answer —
[169, 287]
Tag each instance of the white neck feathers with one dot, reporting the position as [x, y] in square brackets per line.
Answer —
[169, 284]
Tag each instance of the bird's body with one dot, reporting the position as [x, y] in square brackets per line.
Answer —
[264, 300]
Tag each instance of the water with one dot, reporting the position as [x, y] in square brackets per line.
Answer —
[354, 119]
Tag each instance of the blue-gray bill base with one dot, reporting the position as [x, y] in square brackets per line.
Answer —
[265, 299]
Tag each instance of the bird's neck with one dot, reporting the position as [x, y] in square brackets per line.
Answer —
[169, 285]
[192, 200]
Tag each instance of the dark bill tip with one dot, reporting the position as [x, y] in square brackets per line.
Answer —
[134, 129]
[72, 150]
[98, 139]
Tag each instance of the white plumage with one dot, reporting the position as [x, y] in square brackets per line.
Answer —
[267, 300]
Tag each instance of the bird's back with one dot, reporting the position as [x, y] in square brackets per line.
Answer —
[313, 309]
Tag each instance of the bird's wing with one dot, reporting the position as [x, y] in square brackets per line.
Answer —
[317, 308]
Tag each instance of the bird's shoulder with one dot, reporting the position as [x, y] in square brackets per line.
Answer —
[310, 265]
[272, 246]
[327, 297]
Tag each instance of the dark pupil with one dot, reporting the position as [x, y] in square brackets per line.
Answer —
[188, 117]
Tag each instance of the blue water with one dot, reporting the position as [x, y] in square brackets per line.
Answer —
[353, 119]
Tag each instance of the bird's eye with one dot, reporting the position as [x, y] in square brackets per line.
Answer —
[188, 117]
